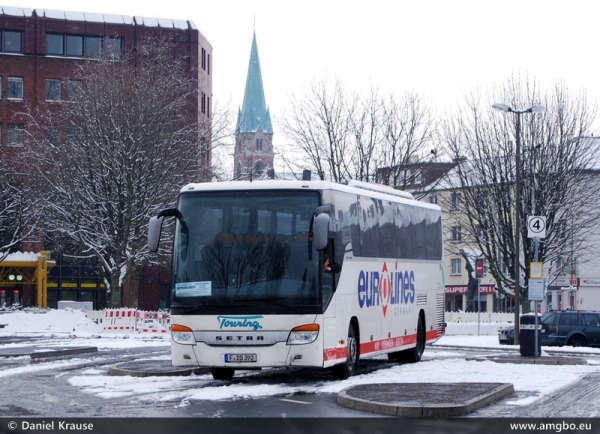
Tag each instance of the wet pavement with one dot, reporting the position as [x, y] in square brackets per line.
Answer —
[391, 399]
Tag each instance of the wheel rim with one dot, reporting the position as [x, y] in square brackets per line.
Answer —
[420, 340]
[577, 341]
[351, 356]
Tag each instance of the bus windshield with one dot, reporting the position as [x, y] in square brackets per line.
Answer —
[240, 252]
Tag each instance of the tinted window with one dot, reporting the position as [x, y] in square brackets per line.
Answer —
[92, 46]
[548, 318]
[568, 319]
[13, 41]
[54, 44]
[590, 320]
[74, 45]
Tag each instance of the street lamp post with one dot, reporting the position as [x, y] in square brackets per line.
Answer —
[518, 113]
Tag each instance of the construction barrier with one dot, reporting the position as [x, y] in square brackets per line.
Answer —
[131, 320]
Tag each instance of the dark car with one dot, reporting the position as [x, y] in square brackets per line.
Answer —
[506, 335]
[578, 328]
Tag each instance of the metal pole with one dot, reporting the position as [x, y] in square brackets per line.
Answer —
[517, 225]
[536, 240]
[478, 306]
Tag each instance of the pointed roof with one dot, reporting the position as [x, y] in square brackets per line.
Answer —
[254, 112]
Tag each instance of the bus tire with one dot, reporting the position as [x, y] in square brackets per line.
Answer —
[347, 369]
[222, 373]
[412, 355]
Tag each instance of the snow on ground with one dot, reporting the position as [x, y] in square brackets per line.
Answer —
[72, 327]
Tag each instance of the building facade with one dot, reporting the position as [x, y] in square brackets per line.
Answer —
[40, 51]
[253, 154]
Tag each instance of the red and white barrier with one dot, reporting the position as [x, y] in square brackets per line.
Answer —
[118, 320]
[133, 320]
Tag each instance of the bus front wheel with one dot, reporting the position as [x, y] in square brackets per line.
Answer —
[346, 370]
[222, 373]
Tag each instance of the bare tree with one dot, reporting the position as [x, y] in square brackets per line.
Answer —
[558, 172]
[408, 130]
[21, 205]
[366, 132]
[318, 123]
[349, 136]
[119, 150]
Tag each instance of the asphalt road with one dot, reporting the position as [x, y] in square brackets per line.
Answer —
[48, 393]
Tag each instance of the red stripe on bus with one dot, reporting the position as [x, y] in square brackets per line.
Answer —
[380, 345]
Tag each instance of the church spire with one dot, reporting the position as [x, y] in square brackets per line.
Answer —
[254, 112]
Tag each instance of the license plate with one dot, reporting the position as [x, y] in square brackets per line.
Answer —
[502, 338]
[240, 358]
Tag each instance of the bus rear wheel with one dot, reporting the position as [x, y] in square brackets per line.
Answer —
[412, 355]
[347, 369]
[222, 373]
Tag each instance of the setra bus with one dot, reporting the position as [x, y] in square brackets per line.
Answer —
[249, 289]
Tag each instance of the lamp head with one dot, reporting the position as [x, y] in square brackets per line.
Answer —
[502, 107]
[536, 109]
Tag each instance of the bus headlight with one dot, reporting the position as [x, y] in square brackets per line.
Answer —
[182, 335]
[303, 334]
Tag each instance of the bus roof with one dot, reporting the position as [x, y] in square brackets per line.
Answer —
[378, 191]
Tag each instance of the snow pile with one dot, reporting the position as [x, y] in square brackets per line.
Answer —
[21, 256]
[47, 322]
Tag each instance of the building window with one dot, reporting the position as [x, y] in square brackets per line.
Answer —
[203, 60]
[52, 90]
[455, 265]
[202, 102]
[113, 46]
[15, 88]
[208, 106]
[74, 45]
[433, 198]
[456, 233]
[418, 177]
[11, 41]
[73, 90]
[93, 46]
[78, 45]
[455, 198]
[55, 44]
[259, 144]
[15, 135]
[208, 64]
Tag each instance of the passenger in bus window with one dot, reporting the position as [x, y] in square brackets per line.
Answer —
[330, 267]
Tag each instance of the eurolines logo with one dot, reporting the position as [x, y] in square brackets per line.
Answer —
[386, 288]
[239, 321]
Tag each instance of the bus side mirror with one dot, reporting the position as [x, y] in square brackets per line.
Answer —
[154, 231]
[321, 231]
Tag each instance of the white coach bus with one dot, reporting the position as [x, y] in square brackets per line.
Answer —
[249, 289]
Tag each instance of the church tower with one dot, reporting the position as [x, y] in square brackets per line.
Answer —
[253, 155]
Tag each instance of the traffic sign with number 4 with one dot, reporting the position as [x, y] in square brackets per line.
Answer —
[536, 227]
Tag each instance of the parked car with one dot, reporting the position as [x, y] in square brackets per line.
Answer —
[506, 335]
[578, 328]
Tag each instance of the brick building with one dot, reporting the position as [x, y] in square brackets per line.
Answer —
[39, 52]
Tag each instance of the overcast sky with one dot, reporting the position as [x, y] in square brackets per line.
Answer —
[437, 47]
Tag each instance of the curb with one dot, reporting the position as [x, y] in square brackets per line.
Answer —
[153, 368]
[481, 395]
[45, 352]
[63, 352]
[531, 360]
